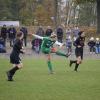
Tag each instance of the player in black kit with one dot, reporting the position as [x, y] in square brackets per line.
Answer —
[14, 56]
[79, 44]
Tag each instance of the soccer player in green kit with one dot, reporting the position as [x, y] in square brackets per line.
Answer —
[48, 48]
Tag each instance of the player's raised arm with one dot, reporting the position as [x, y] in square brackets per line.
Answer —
[37, 36]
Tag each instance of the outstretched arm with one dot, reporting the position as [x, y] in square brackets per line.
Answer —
[37, 36]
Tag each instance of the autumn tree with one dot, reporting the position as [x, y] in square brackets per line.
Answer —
[98, 11]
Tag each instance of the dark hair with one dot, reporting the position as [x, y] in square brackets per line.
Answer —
[80, 33]
[19, 34]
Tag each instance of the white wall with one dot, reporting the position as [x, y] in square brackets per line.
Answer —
[9, 23]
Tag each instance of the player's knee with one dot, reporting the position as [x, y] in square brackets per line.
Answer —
[79, 60]
[20, 66]
[48, 57]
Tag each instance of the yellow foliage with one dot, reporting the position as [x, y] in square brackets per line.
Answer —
[42, 16]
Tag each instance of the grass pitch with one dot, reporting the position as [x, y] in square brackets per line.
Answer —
[34, 83]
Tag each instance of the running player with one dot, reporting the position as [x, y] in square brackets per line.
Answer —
[14, 56]
[79, 44]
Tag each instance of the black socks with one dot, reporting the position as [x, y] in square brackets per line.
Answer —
[13, 70]
[11, 73]
[72, 61]
[76, 67]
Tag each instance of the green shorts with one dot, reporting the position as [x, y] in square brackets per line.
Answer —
[45, 50]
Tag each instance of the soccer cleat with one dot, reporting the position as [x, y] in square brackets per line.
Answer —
[10, 80]
[51, 72]
[9, 76]
[75, 70]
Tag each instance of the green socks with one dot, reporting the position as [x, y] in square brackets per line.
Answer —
[50, 66]
[60, 53]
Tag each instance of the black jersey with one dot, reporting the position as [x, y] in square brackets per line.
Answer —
[14, 56]
[79, 42]
[17, 46]
[79, 50]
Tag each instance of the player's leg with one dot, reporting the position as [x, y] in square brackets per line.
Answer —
[72, 62]
[79, 61]
[54, 50]
[79, 56]
[49, 63]
[12, 71]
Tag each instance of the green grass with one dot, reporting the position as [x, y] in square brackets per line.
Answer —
[34, 83]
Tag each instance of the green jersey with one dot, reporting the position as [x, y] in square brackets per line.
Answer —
[47, 43]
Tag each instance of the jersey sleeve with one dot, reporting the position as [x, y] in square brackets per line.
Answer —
[37, 36]
[19, 45]
[59, 44]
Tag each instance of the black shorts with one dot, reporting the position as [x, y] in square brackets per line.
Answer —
[15, 59]
[79, 52]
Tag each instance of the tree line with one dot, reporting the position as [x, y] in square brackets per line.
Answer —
[52, 12]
